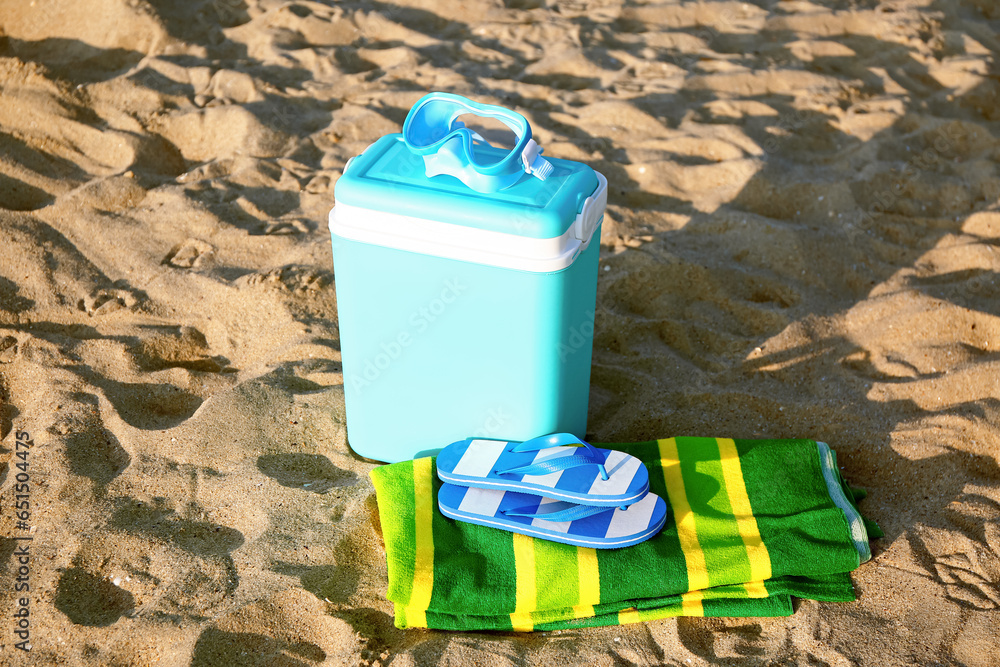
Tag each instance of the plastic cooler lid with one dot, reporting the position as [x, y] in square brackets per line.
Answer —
[385, 198]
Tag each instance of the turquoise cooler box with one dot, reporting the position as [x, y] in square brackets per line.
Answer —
[466, 279]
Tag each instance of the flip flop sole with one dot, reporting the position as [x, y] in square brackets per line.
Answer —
[613, 528]
[476, 462]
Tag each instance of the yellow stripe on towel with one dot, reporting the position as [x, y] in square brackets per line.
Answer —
[760, 559]
[630, 615]
[755, 589]
[423, 567]
[524, 568]
[694, 557]
[589, 577]
[691, 603]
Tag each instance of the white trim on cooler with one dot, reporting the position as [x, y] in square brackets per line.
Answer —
[468, 244]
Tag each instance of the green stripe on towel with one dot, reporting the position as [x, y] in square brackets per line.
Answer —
[753, 524]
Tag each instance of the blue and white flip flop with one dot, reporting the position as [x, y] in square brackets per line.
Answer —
[585, 526]
[559, 466]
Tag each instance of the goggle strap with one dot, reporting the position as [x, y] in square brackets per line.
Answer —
[533, 161]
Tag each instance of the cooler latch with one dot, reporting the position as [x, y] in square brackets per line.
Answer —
[592, 211]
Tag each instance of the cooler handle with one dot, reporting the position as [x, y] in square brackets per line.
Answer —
[591, 212]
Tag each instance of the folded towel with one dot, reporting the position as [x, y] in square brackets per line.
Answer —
[752, 524]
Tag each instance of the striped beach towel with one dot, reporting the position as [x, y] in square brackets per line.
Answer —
[752, 523]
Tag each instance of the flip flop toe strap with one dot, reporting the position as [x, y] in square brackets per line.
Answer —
[571, 513]
[556, 464]
[592, 456]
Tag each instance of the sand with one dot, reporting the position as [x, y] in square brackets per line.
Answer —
[801, 241]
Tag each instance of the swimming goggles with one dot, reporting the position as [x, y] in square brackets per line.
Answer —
[432, 130]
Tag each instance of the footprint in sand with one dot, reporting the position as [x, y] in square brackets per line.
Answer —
[178, 347]
[175, 567]
[146, 406]
[163, 347]
[293, 278]
[90, 600]
[288, 628]
[723, 640]
[335, 583]
[151, 407]
[198, 578]
[10, 300]
[97, 454]
[19, 196]
[108, 300]
[91, 450]
[201, 538]
[218, 647]
[7, 414]
[192, 253]
[331, 582]
[8, 349]
[42, 267]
